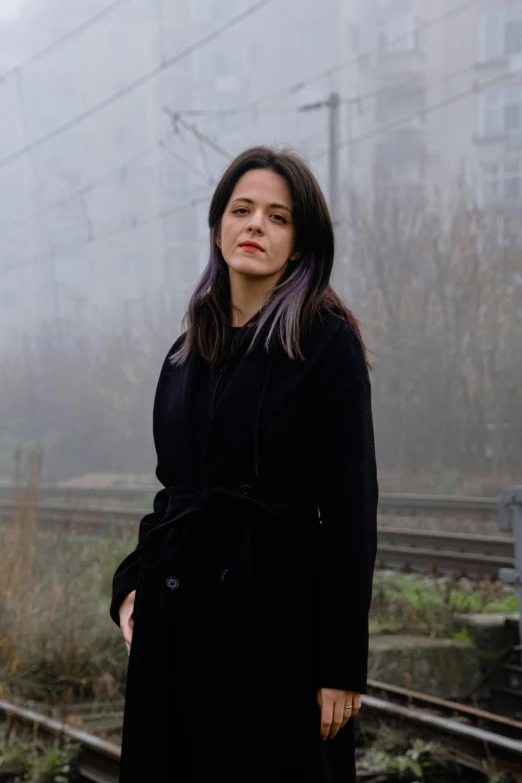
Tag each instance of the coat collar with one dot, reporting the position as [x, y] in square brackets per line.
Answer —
[234, 418]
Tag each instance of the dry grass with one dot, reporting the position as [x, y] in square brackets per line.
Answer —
[57, 642]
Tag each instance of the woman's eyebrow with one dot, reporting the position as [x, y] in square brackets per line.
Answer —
[272, 206]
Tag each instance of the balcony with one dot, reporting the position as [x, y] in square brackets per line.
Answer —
[393, 67]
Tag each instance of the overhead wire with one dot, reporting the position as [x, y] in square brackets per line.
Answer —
[354, 60]
[425, 111]
[64, 39]
[172, 61]
[132, 86]
[91, 185]
[109, 235]
[405, 90]
[422, 26]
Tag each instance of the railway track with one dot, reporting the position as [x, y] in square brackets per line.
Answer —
[475, 738]
[458, 554]
[472, 737]
[98, 760]
[388, 502]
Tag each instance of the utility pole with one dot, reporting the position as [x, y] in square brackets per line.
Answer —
[56, 321]
[333, 103]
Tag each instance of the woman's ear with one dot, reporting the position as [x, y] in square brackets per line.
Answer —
[295, 255]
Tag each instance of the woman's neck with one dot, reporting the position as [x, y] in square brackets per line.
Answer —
[248, 296]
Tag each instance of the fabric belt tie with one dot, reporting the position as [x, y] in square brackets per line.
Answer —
[169, 537]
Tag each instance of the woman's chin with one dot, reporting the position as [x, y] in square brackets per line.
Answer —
[249, 268]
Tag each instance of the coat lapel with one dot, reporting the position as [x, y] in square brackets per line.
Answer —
[235, 416]
[174, 418]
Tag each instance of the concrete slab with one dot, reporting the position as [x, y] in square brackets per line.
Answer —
[442, 667]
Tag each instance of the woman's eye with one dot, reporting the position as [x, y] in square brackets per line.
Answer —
[242, 210]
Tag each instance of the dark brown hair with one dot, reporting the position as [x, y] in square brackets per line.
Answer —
[304, 289]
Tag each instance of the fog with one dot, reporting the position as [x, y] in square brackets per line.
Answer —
[117, 120]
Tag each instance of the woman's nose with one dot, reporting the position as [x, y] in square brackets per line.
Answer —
[256, 225]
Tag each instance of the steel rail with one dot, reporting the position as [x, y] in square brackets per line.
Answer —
[446, 705]
[388, 502]
[478, 745]
[499, 546]
[490, 738]
[98, 760]
[455, 553]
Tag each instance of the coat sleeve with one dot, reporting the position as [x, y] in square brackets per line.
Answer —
[125, 578]
[347, 499]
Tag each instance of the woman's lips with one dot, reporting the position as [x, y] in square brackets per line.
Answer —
[251, 248]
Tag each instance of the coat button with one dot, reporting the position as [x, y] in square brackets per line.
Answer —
[172, 583]
[246, 489]
[223, 574]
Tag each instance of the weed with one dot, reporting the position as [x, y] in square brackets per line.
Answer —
[409, 604]
[392, 753]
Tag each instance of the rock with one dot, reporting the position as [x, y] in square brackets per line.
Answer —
[493, 632]
[447, 668]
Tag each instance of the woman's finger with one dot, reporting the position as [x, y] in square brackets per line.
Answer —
[337, 719]
[347, 713]
[127, 628]
[356, 703]
[326, 717]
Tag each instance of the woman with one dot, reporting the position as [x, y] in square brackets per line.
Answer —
[247, 597]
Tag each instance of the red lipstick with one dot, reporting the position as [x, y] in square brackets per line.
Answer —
[251, 247]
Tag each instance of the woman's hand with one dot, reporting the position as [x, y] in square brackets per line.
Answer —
[127, 618]
[333, 713]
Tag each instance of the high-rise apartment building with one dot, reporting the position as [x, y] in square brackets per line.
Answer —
[440, 88]
[113, 139]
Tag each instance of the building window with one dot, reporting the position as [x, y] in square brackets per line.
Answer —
[501, 34]
[124, 135]
[501, 111]
[393, 102]
[220, 63]
[9, 300]
[513, 36]
[353, 38]
[398, 34]
[71, 271]
[67, 232]
[205, 12]
[512, 183]
[501, 183]
[131, 265]
[132, 313]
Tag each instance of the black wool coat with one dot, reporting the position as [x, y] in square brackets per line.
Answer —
[254, 572]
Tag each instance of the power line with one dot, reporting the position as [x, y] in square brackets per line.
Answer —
[117, 232]
[81, 191]
[176, 119]
[429, 110]
[440, 105]
[358, 99]
[87, 187]
[129, 88]
[410, 88]
[84, 189]
[65, 38]
[298, 86]
[403, 36]
[184, 162]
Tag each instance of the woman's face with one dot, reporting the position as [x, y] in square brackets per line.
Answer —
[259, 211]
